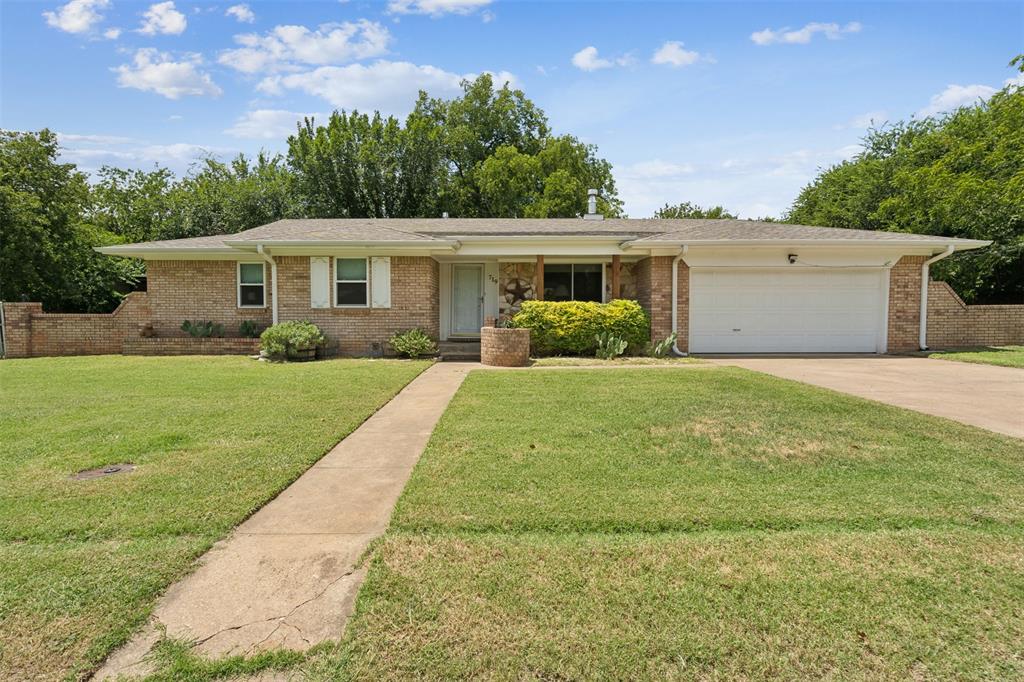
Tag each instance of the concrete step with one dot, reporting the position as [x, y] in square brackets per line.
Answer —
[459, 351]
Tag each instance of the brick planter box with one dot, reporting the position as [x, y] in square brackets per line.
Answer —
[175, 345]
[502, 347]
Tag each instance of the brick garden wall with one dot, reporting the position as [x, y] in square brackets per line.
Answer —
[952, 323]
[29, 332]
[415, 301]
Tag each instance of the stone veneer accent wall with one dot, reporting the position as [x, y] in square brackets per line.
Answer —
[515, 285]
[182, 290]
[415, 301]
[952, 323]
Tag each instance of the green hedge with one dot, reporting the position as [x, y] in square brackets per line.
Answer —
[571, 327]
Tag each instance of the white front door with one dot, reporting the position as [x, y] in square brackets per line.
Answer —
[467, 298]
[787, 310]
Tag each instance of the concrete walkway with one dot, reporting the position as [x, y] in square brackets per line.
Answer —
[287, 577]
[981, 395]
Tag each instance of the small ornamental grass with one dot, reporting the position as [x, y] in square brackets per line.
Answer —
[573, 327]
[286, 339]
[412, 344]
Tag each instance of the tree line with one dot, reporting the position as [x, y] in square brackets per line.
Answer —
[487, 153]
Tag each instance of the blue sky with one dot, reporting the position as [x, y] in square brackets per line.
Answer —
[731, 103]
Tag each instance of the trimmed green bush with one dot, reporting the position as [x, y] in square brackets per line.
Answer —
[412, 344]
[572, 327]
[202, 329]
[286, 339]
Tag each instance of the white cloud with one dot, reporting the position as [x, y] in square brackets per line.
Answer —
[241, 13]
[1017, 80]
[390, 87]
[91, 152]
[112, 33]
[587, 59]
[286, 47]
[154, 71]
[801, 36]
[956, 96]
[436, 8]
[77, 16]
[673, 54]
[163, 18]
[267, 124]
[751, 185]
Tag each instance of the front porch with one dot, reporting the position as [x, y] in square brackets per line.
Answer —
[473, 289]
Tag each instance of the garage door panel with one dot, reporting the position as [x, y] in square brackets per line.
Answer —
[751, 311]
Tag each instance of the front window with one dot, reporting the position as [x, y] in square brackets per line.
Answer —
[251, 289]
[350, 282]
[574, 282]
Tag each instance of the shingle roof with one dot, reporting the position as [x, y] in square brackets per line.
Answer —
[740, 230]
[640, 232]
[333, 229]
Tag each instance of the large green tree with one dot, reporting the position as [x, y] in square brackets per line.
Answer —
[487, 153]
[46, 245]
[960, 175]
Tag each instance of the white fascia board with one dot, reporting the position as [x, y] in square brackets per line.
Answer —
[210, 253]
[961, 244]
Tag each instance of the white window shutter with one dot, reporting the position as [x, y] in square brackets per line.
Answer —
[380, 282]
[319, 282]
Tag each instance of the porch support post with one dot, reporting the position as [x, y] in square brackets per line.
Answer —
[616, 279]
[538, 280]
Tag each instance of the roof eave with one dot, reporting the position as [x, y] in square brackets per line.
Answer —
[960, 244]
[131, 250]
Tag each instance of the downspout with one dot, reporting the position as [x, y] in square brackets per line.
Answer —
[922, 337]
[273, 281]
[675, 300]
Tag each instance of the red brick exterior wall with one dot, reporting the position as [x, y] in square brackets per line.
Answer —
[905, 304]
[29, 332]
[182, 290]
[501, 347]
[952, 323]
[654, 293]
[415, 301]
[177, 345]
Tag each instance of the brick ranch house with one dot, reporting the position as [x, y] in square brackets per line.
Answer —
[725, 286]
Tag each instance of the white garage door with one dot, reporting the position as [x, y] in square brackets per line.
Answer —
[786, 311]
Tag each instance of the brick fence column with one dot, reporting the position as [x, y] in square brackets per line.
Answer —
[18, 328]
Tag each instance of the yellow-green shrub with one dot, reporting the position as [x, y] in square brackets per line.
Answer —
[571, 327]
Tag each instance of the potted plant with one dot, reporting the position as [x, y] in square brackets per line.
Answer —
[297, 341]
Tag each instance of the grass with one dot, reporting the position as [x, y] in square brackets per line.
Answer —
[1004, 356]
[626, 361]
[213, 439]
[671, 524]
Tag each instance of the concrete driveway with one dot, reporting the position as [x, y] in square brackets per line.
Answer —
[981, 395]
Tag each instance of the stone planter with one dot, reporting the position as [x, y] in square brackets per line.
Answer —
[502, 347]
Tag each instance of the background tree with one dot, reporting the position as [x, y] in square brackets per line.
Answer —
[46, 246]
[959, 175]
[688, 210]
[487, 153]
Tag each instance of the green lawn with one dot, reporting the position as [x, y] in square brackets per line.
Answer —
[693, 524]
[1004, 356]
[625, 361]
[82, 562]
